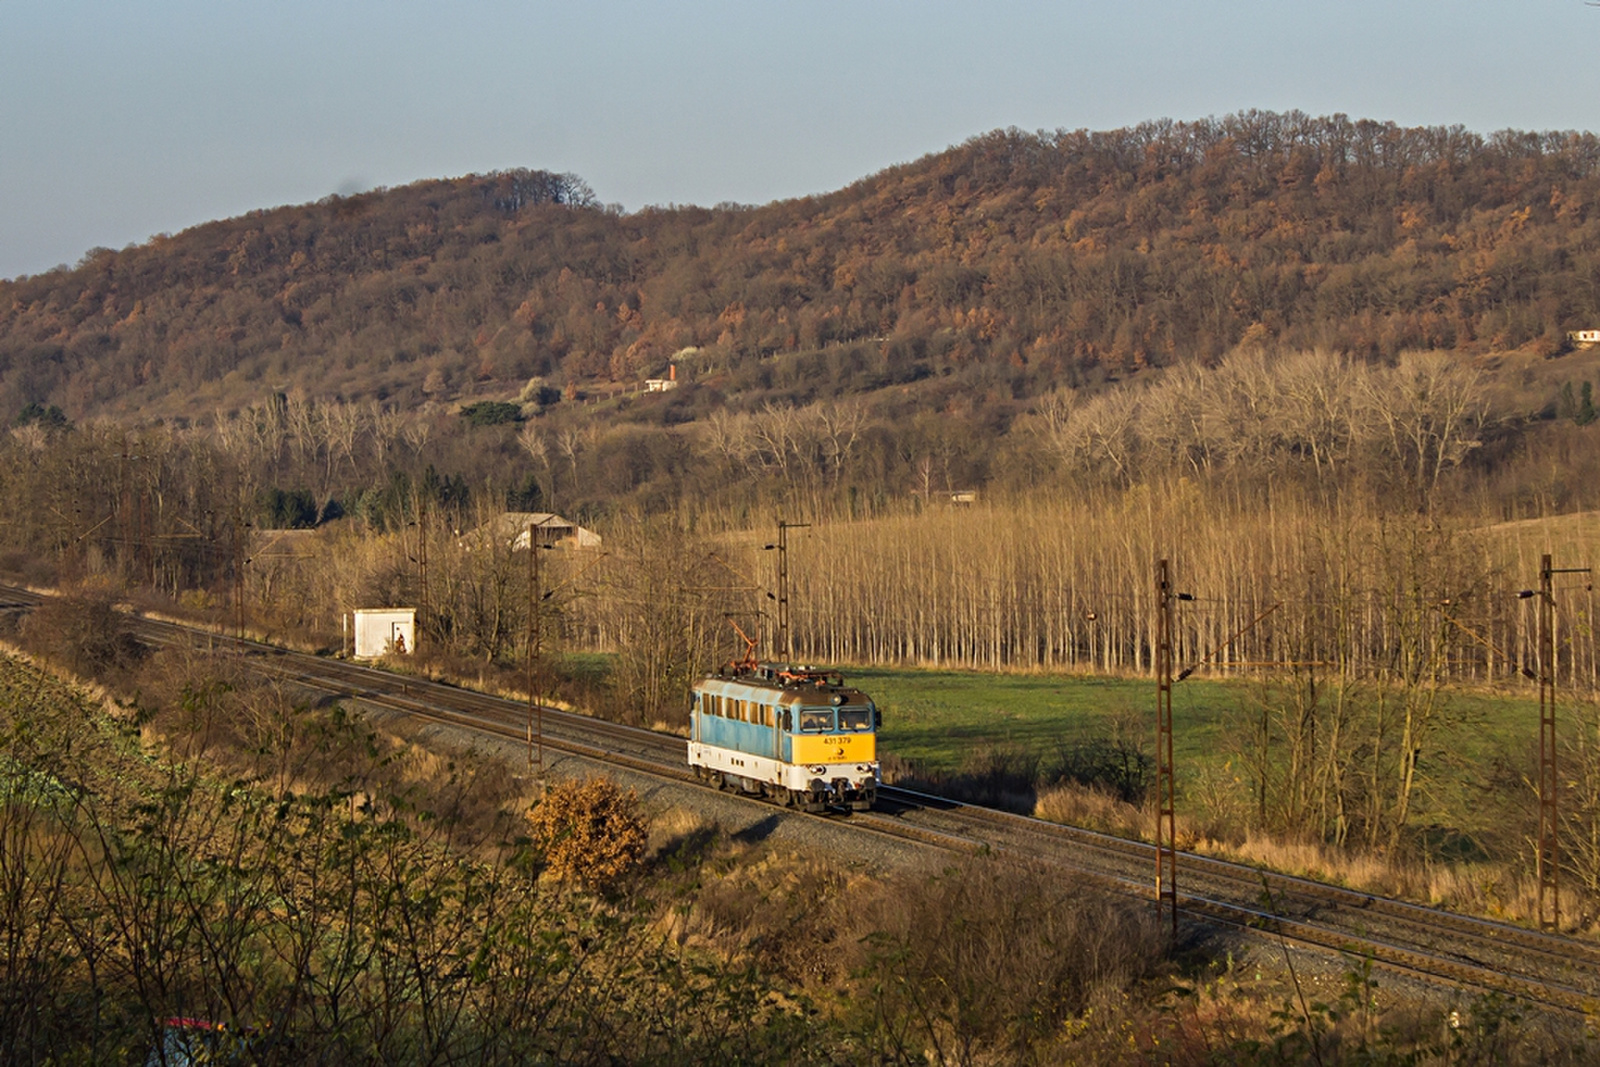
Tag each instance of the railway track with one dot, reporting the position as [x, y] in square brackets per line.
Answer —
[1543, 968]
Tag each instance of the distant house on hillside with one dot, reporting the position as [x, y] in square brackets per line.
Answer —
[511, 531]
[662, 385]
[1584, 338]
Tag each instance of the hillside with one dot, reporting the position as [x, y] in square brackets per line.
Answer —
[1009, 263]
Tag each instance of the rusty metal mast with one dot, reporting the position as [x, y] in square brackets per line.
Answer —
[239, 560]
[422, 564]
[1548, 860]
[535, 636]
[533, 627]
[1166, 818]
[785, 650]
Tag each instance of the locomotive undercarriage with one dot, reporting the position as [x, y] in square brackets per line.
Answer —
[819, 796]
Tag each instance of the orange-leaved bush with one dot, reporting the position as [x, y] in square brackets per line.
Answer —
[589, 830]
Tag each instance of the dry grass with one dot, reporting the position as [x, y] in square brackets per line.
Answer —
[1499, 891]
[794, 916]
[1076, 805]
[672, 826]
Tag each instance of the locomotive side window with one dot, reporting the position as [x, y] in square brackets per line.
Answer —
[855, 718]
[816, 720]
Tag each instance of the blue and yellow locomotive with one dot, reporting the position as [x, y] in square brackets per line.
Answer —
[796, 735]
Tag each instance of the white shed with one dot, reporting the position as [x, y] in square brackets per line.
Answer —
[385, 631]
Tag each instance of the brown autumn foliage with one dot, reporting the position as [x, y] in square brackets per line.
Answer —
[1008, 263]
[590, 831]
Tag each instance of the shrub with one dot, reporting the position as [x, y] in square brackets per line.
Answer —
[986, 962]
[590, 831]
[491, 413]
[84, 633]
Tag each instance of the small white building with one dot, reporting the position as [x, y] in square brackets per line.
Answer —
[1584, 337]
[385, 632]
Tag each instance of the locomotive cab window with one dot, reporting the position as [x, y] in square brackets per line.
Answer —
[816, 720]
[855, 718]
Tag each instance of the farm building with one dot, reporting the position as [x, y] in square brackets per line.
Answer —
[511, 530]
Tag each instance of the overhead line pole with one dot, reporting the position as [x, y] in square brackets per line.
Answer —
[422, 561]
[1166, 817]
[785, 649]
[1548, 860]
[535, 635]
[239, 560]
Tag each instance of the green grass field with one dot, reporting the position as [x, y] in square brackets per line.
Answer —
[937, 717]
[943, 720]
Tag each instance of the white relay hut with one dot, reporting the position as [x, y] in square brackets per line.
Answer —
[385, 631]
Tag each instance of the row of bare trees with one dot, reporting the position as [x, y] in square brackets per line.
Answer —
[1065, 583]
[331, 441]
[1422, 415]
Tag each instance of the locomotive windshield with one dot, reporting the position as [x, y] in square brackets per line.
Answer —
[816, 720]
[855, 718]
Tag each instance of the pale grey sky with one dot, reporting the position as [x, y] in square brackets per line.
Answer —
[120, 119]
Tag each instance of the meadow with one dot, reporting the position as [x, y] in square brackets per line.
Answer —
[947, 726]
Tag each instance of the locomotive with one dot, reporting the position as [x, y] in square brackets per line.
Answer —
[793, 734]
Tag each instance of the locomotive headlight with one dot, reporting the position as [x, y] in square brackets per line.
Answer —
[819, 769]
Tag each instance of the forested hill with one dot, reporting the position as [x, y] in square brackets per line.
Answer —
[1015, 259]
